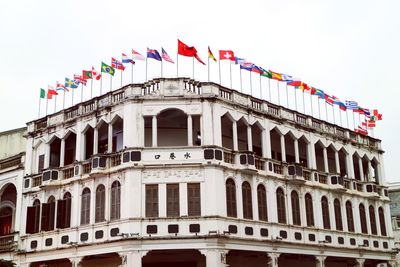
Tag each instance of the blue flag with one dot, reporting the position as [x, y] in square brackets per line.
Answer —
[71, 83]
[152, 53]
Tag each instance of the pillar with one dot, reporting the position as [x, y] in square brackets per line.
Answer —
[95, 141]
[360, 166]
[154, 131]
[264, 146]
[190, 130]
[283, 149]
[110, 138]
[296, 151]
[62, 152]
[215, 257]
[325, 155]
[273, 259]
[234, 136]
[249, 139]
[75, 262]
[370, 172]
[337, 161]
[132, 258]
[320, 261]
[360, 262]
[47, 156]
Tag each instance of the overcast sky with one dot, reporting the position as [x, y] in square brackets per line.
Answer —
[348, 48]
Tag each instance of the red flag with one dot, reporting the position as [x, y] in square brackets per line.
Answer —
[226, 54]
[361, 130]
[188, 51]
[50, 93]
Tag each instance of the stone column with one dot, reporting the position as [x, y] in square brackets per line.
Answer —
[62, 153]
[325, 155]
[350, 166]
[234, 136]
[249, 139]
[320, 261]
[190, 130]
[360, 262]
[283, 148]
[370, 172]
[76, 262]
[95, 141]
[273, 259]
[360, 166]
[215, 257]
[110, 137]
[264, 146]
[47, 156]
[154, 131]
[132, 258]
[337, 161]
[296, 151]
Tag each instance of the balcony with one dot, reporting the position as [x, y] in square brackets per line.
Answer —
[7, 243]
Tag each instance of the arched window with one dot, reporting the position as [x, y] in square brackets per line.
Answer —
[262, 203]
[350, 219]
[281, 206]
[247, 203]
[115, 201]
[309, 210]
[363, 219]
[325, 213]
[85, 206]
[372, 220]
[231, 198]
[382, 221]
[295, 208]
[100, 204]
[338, 215]
[48, 214]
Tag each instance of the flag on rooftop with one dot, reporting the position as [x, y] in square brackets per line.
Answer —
[165, 56]
[42, 93]
[87, 74]
[361, 130]
[96, 74]
[152, 53]
[286, 78]
[50, 93]
[210, 55]
[107, 69]
[226, 55]
[61, 87]
[368, 124]
[239, 60]
[79, 79]
[329, 99]
[188, 51]
[256, 69]
[351, 104]
[71, 83]
[117, 64]
[126, 59]
[337, 101]
[265, 73]
[318, 92]
[276, 76]
[137, 55]
[375, 115]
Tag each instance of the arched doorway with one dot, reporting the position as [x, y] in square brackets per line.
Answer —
[8, 202]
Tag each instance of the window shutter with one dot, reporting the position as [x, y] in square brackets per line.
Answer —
[52, 210]
[60, 213]
[37, 218]
[67, 213]
[45, 217]
[30, 217]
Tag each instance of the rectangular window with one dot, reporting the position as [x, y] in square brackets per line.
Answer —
[41, 163]
[152, 200]
[193, 198]
[172, 200]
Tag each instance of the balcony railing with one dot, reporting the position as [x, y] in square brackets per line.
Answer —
[37, 180]
[115, 160]
[68, 172]
[259, 163]
[7, 243]
[225, 94]
[86, 167]
[229, 157]
[307, 175]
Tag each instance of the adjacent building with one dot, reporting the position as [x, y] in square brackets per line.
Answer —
[175, 172]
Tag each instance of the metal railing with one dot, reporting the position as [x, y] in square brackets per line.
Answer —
[7, 243]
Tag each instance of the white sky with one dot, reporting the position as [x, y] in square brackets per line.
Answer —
[347, 48]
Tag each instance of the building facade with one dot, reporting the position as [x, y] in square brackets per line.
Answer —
[175, 172]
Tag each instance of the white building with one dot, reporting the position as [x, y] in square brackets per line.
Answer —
[176, 172]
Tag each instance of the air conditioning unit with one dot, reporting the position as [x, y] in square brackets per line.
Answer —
[49, 175]
[99, 162]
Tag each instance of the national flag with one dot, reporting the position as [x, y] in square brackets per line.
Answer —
[51, 92]
[361, 110]
[361, 130]
[152, 53]
[329, 99]
[188, 51]
[107, 69]
[42, 93]
[250, 67]
[298, 84]
[226, 55]
[256, 69]
[61, 87]
[79, 79]
[71, 83]
[337, 101]
[126, 59]
[276, 76]
[87, 74]
[137, 56]
[369, 124]
[265, 73]
[165, 56]
[96, 74]
[286, 78]
[210, 55]
[239, 60]
[376, 116]
[351, 104]
[117, 64]
[318, 92]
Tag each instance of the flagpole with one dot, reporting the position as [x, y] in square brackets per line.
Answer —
[287, 96]
[251, 86]
[193, 67]
[269, 89]
[132, 70]
[72, 89]
[101, 83]
[81, 92]
[39, 107]
[111, 83]
[340, 117]
[347, 118]
[260, 87]
[326, 111]
[177, 58]
[208, 68]
[219, 70]
[64, 100]
[333, 112]
[319, 109]
[295, 98]
[121, 76]
[304, 105]
[240, 71]
[161, 68]
[312, 108]
[354, 121]
[91, 87]
[146, 71]
[279, 95]
[230, 73]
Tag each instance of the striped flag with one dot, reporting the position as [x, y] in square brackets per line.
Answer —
[351, 105]
[165, 56]
[211, 55]
[137, 55]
